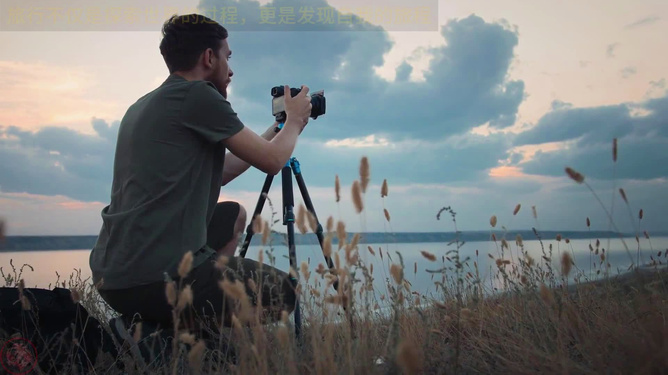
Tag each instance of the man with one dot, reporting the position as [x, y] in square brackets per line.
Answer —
[169, 166]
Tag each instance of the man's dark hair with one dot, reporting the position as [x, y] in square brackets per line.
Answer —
[185, 37]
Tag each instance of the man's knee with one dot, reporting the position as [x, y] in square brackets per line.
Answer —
[277, 287]
[241, 220]
[226, 227]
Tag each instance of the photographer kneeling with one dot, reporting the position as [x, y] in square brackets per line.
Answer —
[170, 162]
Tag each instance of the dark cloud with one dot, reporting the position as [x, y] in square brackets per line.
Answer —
[427, 122]
[459, 159]
[628, 71]
[591, 125]
[610, 50]
[465, 85]
[638, 158]
[643, 22]
[659, 84]
[640, 128]
[595, 125]
[58, 161]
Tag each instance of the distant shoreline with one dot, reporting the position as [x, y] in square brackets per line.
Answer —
[41, 243]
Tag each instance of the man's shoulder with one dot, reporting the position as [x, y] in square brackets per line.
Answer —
[204, 89]
[177, 82]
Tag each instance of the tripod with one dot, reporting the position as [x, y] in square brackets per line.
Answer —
[290, 168]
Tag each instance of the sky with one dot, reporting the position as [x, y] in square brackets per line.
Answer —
[480, 109]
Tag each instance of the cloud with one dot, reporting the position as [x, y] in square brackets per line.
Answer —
[639, 158]
[58, 161]
[660, 84]
[405, 138]
[561, 205]
[610, 50]
[466, 83]
[628, 71]
[464, 158]
[643, 22]
[587, 133]
[601, 124]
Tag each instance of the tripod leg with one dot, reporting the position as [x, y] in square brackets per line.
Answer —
[258, 211]
[289, 221]
[309, 206]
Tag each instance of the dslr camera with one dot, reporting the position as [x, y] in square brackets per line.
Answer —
[318, 103]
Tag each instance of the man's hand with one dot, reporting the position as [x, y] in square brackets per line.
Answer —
[298, 107]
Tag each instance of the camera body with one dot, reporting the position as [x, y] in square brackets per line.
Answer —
[318, 102]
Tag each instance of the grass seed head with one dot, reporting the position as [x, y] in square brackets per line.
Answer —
[371, 250]
[546, 294]
[428, 255]
[364, 173]
[341, 233]
[397, 273]
[574, 175]
[337, 188]
[312, 221]
[186, 264]
[185, 297]
[330, 223]
[357, 196]
[327, 245]
[196, 354]
[408, 358]
[170, 292]
[301, 219]
[266, 233]
[566, 264]
[257, 224]
[614, 150]
[187, 338]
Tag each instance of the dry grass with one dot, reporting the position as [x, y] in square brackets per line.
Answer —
[540, 318]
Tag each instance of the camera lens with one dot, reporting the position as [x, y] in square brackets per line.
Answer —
[277, 91]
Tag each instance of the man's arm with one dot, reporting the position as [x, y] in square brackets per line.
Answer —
[234, 166]
[271, 156]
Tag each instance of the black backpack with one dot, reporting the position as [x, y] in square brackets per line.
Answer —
[45, 334]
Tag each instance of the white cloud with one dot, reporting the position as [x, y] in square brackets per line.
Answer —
[364, 142]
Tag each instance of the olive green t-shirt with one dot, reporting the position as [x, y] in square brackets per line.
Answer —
[167, 177]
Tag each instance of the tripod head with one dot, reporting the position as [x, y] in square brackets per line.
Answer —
[318, 103]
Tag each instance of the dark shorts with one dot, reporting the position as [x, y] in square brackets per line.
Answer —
[271, 288]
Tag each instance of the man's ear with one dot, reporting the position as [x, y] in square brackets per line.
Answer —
[208, 57]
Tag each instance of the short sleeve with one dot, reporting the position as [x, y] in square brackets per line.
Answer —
[209, 114]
